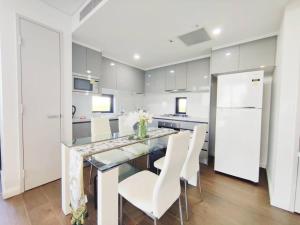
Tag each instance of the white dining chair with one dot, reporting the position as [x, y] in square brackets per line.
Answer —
[155, 194]
[124, 127]
[100, 130]
[191, 166]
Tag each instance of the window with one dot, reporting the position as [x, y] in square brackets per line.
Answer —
[180, 105]
[103, 103]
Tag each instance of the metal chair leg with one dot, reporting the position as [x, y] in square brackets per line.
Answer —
[186, 200]
[121, 209]
[91, 172]
[155, 221]
[180, 211]
[199, 182]
[148, 161]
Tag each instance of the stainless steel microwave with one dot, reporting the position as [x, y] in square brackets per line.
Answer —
[86, 84]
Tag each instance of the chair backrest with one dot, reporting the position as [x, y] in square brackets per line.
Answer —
[124, 127]
[100, 128]
[191, 164]
[167, 187]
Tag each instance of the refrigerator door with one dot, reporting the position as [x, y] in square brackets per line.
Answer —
[237, 146]
[241, 90]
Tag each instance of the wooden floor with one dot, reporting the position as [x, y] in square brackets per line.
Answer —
[224, 201]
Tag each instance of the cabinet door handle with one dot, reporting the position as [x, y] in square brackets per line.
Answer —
[53, 116]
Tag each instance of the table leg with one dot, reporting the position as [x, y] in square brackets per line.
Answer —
[107, 211]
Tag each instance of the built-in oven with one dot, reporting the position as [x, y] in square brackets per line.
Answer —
[171, 125]
[86, 84]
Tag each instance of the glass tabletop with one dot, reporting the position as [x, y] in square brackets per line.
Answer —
[99, 138]
[107, 160]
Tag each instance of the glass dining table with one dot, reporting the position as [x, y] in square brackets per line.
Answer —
[108, 153]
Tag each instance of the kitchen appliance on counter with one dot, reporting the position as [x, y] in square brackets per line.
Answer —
[86, 84]
[238, 124]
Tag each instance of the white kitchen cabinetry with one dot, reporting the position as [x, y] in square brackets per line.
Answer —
[225, 60]
[86, 61]
[155, 81]
[198, 75]
[175, 77]
[93, 62]
[257, 54]
[109, 74]
[78, 59]
[130, 79]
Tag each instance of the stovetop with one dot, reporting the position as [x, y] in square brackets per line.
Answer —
[176, 115]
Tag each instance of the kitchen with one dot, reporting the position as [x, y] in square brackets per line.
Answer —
[132, 84]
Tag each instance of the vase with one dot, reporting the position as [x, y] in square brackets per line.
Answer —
[142, 129]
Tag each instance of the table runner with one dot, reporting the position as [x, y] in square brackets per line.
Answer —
[79, 153]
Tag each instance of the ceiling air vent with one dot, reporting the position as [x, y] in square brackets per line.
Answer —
[195, 37]
[88, 8]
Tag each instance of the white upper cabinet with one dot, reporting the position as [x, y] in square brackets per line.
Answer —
[93, 62]
[109, 74]
[78, 59]
[155, 81]
[257, 54]
[130, 79]
[138, 81]
[225, 60]
[198, 75]
[175, 77]
[86, 61]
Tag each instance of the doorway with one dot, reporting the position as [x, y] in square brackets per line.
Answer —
[40, 98]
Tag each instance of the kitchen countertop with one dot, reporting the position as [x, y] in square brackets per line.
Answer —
[88, 120]
[183, 119]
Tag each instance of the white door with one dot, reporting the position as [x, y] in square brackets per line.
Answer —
[237, 145]
[240, 90]
[40, 71]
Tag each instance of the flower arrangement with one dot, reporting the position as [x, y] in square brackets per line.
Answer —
[143, 119]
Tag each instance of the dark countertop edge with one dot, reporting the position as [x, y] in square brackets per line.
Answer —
[181, 120]
[88, 121]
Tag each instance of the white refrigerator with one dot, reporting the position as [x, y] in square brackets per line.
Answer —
[238, 124]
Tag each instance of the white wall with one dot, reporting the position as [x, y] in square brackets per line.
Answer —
[285, 124]
[124, 101]
[11, 150]
[164, 103]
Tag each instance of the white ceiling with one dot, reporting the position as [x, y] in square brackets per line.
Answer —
[68, 7]
[121, 28]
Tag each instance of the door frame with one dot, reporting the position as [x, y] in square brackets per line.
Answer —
[19, 17]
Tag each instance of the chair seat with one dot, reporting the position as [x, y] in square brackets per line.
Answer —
[159, 163]
[138, 190]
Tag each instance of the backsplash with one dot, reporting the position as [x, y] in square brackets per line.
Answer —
[157, 104]
[123, 100]
[164, 103]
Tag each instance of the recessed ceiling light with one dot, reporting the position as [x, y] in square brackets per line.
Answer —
[228, 53]
[172, 71]
[217, 31]
[89, 72]
[205, 77]
[262, 66]
[136, 56]
[112, 64]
